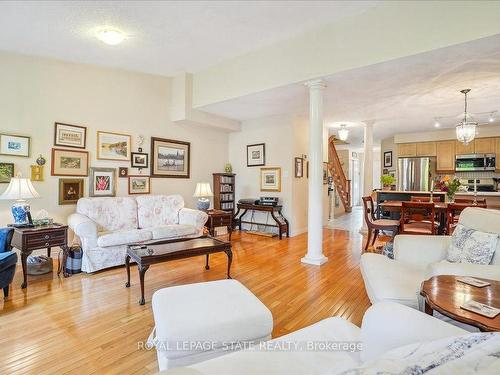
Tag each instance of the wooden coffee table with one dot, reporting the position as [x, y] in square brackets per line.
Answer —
[164, 251]
[445, 294]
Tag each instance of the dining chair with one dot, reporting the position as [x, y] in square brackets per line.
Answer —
[376, 225]
[470, 201]
[418, 218]
[453, 211]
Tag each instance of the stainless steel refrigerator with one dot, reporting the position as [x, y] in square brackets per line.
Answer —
[414, 174]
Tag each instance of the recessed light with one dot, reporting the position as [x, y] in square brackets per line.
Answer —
[437, 124]
[111, 36]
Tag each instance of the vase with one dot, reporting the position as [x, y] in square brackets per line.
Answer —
[450, 197]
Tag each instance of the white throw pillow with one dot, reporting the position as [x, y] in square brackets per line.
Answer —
[471, 246]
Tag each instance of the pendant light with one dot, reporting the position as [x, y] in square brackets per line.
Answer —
[466, 129]
[343, 132]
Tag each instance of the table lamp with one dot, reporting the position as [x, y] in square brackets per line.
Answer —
[203, 191]
[20, 189]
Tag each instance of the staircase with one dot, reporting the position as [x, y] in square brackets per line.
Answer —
[342, 184]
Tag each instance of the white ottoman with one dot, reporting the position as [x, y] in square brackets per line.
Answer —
[197, 322]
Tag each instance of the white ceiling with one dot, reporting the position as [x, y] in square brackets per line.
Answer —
[400, 96]
[165, 37]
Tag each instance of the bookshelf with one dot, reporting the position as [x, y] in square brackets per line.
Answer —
[224, 188]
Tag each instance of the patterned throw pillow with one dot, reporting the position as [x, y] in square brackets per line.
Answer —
[471, 246]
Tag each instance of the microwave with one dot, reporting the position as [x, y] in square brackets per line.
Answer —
[475, 162]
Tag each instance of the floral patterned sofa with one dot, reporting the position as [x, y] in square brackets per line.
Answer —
[105, 226]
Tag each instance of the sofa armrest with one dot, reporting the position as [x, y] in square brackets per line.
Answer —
[192, 217]
[388, 325]
[464, 269]
[82, 226]
[420, 250]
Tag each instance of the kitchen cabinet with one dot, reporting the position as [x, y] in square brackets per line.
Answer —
[445, 156]
[407, 150]
[497, 152]
[462, 149]
[426, 149]
[484, 146]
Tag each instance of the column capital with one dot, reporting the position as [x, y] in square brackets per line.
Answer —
[316, 84]
[369, 123]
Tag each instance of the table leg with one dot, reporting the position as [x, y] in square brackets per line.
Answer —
[229, 254]
[230, 231]
[48, 252]
[62, 265]
[207, 267]
[428, 309]
[24, 258]
[127, 265]
[142, 271]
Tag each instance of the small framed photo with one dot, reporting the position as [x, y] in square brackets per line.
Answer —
[15, 145]
[67, 135]
[139, 185]
[270, 179]
[170, 158]
[139, 160]
[69, 163]
[256, 155]
[6, 172]
[325, 173]
[102, 182]
[299, 167]
[388, 159]
[70, 190]
[122, 172]
[113, 146]
[36, 172]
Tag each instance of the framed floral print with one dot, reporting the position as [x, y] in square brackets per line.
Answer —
[113, 146]
[15, 145]
[102, 182]
[69, 163]
[256, 155]
[70, 190]
[6, 172]
[270, 179]
[139, 185]
[170, 158]
[67, 135]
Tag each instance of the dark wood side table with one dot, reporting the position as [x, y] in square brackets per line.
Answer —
[42, 237]
[219, 218]
[445, 294]
[281, 223]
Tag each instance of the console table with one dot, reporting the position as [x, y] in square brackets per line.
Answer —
[281, 223]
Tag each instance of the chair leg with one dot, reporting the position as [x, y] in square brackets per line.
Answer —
[368, 239]
[375, 236]
[6, 291]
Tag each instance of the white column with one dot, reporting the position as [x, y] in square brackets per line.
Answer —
[315, 211]
[367, 165]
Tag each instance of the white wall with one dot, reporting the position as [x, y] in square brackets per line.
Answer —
[35, 93]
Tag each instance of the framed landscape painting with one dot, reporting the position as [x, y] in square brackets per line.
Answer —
[6, 172]
[67, 135]
[139, 185]
[256, 155]
[270, 179]
[69, 163]
[15, 145]
[102, 182]
[113, 146]
[139, 160]
[70, 190]
[170, 158]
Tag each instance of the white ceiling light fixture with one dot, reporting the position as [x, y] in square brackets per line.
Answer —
[492, 117]
[437, 124]
[466, 129]
[343, 132]
[111, 36]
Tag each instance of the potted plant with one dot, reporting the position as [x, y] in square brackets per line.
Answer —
[450, 186]
[387, 181]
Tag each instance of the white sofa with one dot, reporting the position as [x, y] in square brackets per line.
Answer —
[417, 258]
[105, 226]
[385, 327]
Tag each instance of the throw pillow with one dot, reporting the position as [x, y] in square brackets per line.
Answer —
[4, 233]
[471, 246]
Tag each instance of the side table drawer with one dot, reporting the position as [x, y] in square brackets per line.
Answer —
[47, 239]
[219, 221]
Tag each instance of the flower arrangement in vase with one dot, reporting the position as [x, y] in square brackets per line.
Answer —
[450, 185]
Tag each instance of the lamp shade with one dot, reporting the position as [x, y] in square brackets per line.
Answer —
[203, 190]
[20, 188]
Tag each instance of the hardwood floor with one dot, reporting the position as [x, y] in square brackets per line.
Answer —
[91, 324]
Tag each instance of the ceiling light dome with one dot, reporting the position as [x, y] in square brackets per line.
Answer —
[343, 132]
[466, 129]
[110, 36]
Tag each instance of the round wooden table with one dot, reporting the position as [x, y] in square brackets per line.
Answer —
[445, 294]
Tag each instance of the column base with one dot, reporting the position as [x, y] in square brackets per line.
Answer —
[314, 261]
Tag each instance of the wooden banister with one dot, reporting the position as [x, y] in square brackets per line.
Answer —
[342, 184]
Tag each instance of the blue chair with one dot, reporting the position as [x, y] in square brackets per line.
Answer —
[8, 260]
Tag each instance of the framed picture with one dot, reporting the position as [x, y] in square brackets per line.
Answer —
[6, 172]
[270, 179]
[307, 169]
[15, 145]
[122, 172]
[67, 135]
[299, 167]
[36, 172]
[69, 163]
[139, 160]
[113, 146]
[102, 182]
[70, 190]
[256, 155]
[170, 158]
[325, 173]
[388, 159]
[139, 185]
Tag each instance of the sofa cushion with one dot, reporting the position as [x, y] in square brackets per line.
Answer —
[471, 246]
[172, 231]
[124, 237]
[110, 214]
[154, 210]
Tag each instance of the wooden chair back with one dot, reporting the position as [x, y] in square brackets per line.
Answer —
[424, 199]
[470, 201]
[369, 210]
[419, 212]
[453, 211]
